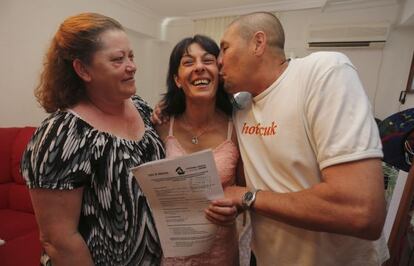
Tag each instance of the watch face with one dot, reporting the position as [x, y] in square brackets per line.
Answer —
[248, 199]
[248, 196]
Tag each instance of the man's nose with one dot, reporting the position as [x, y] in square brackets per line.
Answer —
[220, 60]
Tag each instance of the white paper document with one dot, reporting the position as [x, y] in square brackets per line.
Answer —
[178, 190]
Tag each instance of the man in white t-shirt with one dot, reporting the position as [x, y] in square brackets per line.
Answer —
[310, 148]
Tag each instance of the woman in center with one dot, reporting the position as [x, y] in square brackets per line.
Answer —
[200, 118]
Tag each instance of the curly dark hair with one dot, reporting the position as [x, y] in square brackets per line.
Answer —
[77, 38]
[174, 99]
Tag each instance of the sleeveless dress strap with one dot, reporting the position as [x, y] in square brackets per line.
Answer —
[170, 132]
[229, 130]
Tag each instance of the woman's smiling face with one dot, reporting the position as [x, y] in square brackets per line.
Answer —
[112, 69]
[198, 73]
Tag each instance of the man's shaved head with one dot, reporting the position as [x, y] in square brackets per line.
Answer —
[261, 21]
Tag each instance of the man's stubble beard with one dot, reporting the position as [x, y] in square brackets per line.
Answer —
[228, 87]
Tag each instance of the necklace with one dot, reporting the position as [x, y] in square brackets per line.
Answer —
[194, 137]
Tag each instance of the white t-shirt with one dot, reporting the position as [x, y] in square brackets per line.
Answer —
[316, 114]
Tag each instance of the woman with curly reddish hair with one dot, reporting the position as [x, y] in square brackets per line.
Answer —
[89, 208]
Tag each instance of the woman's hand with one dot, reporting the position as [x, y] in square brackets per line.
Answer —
[221, 212]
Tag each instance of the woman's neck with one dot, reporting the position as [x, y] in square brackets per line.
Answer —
[108, 106]
[199, 115]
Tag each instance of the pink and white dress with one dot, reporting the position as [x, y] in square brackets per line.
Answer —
[224, 250]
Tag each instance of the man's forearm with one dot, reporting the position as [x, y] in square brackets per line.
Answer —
[302, 209]
[350, 200]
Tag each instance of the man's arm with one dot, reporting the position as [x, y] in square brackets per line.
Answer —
[349, 200]
[57, 213]
[157, 117]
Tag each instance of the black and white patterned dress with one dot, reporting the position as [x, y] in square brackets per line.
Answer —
[116, 221]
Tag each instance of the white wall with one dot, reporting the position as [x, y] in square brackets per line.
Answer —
[367, 61]
[383, 72]
[407, 14]
[26, 28]
[178, 29]
[151, 57]
[394, 72]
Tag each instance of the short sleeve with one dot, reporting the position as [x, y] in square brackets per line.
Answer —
[339, 116]
[58, 155]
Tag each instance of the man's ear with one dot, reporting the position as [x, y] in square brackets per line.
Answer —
[259, 42]
[177, 82]
[81, 70]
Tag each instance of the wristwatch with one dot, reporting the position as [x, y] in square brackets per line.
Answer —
[248, 199]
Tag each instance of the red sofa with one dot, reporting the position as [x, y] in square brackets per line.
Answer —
[18, 227]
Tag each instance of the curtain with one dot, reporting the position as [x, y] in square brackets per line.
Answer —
[212, 27]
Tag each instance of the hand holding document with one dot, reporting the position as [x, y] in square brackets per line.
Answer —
[178, 190]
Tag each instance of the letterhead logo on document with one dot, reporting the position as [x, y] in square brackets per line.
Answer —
[179, 170]
[259, 129]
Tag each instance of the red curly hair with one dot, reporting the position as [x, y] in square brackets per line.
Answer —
[77, 38]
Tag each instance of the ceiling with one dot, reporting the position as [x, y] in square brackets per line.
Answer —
[208, 8]
[186, 7]
[203, 8]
